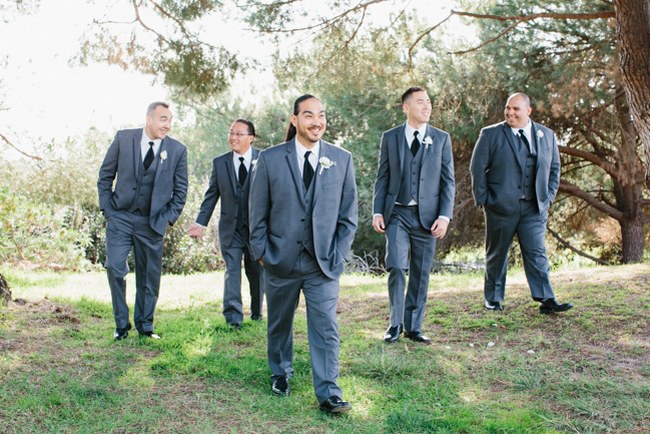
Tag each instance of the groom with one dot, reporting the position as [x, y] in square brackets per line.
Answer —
[303, 216]
[148, 196]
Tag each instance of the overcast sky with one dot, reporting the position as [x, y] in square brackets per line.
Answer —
[47, 98]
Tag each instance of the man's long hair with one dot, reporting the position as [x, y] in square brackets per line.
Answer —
[291, 131]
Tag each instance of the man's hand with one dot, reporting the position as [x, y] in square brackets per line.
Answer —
[439, 228]
[195, 230]
[378, 224]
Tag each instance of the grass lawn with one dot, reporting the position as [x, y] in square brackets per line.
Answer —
[587, 370]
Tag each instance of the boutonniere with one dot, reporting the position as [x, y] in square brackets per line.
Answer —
[163, 156]
[253, 162]
[427, 142]
[325, 163]
[539, 134]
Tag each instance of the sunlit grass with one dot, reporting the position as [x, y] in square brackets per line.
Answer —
[516, 371]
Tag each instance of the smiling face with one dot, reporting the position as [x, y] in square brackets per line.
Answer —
[310, 122]
[417, 108]
[159, 122]
[240, 138]
[517, 111]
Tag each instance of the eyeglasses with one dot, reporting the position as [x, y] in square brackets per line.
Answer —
[238, 135]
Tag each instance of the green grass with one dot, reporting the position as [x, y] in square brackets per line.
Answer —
[587, 370]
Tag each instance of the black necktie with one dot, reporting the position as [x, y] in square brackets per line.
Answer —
[148, 159]
[524, 140]
[307, 171]
[415, 144]
[242, 171]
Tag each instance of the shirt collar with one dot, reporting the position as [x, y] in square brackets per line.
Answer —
[409, 131]
[248, 155]
[527, 130]
[301, 149]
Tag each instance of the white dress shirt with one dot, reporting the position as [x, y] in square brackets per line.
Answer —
[528, 133]
[248, 157]
[313, 157]
[144, 145]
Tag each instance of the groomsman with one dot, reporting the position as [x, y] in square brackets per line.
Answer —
[148, 195]
[413, 204]
[303, 217]
[515, 170]
[230, 183]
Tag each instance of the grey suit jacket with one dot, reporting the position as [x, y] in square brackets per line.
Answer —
[277, 209]
[497, 171]
[124, 162]
[437, 186]
[224, 185]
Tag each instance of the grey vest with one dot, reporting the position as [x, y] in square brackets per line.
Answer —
[410, 176]
[529, 172]
[307, 237]
[144, 189]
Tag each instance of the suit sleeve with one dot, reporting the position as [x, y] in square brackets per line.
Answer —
[348, 213]
[383, 177]
[210, 198]
[259, 208]
[179, 194]
[107, 173]
[479, 166]
[447, 180]
[554, 177]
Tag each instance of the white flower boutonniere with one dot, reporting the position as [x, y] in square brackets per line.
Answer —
[325, 163]
[427, 142]
[163, 156]
[253, 162]
[539, 134]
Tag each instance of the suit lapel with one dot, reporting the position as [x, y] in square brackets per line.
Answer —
[161, 162]
[250, 168]
[230, 172]
[320, 172]
[137, 158]
[507, 131]
[401, 146]
[292, 161]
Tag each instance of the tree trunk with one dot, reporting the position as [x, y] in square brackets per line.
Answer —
[5, 292]
[633, 34]
[632, 236]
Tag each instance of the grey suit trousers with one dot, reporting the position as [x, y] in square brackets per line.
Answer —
[125, 230]
[500, 229]
[321, 297]
[232, 300]
[408, 247]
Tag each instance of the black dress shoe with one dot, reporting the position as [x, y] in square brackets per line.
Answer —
[256, 317]
[281, 386]
[552, 306]
[235, 325]
[122, 333]
[392, 333]
[334, 404]
[150, 335]
[417, 337]
[493, 305]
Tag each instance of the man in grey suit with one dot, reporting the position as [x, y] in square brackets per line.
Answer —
[413, 204]
[149, 195]
[303, 216]
[515, 170]
[231, 183]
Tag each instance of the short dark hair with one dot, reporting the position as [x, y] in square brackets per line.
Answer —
[249, 124]
[291, 130]
[154, 105]
[410, 91]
